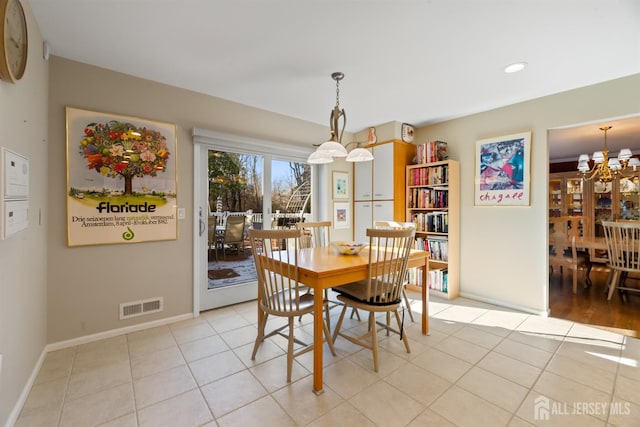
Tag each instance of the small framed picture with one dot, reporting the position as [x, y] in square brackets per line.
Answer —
[340, 185]
[341, 215]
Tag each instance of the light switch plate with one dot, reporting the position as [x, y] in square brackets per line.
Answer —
[181, 213]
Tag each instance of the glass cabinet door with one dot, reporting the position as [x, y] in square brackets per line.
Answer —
[602, 206]
[575, 201]
[555, 197]
[629, 198]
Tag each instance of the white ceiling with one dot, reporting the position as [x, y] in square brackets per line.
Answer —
[415, 61]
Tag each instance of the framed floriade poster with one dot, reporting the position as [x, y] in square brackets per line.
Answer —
[121, 179]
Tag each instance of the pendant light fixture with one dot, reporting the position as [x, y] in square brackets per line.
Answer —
[605, 168]
[327, 151]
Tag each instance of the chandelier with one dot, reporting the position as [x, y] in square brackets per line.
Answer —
[605, 168]
[326, 152]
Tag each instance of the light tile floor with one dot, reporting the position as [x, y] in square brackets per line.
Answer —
[481, 365]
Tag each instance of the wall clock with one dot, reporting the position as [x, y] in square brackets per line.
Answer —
[13, 49]
[407, 132]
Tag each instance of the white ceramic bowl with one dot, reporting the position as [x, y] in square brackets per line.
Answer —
[348, 248]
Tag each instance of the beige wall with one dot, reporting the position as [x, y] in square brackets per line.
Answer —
[23, 281]
[504, 249]
[87, 284]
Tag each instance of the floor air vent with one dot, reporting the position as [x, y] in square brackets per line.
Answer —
[139, 308]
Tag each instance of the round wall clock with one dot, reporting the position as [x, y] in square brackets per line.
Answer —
[13, 49]
[407, 132]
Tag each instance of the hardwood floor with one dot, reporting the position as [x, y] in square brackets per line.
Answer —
[590, 305]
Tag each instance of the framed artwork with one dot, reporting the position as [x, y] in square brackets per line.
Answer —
[341, 215]
[340, 185]
[502, 176]
[121, 179]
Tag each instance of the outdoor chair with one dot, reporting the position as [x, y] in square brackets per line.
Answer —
[233, 234]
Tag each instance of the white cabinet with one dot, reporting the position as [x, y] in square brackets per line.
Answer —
[379, 186]
[363, 219]
[382, 179]
[362, 185]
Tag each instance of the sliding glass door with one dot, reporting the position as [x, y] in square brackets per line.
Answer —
[243, 190]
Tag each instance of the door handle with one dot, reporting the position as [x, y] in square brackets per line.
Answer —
[202, 224]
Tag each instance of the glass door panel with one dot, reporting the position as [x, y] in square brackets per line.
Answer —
[629, 198]
[555, 198]
[290, 193]
[602, 207]
[235, 190]
[575, 202]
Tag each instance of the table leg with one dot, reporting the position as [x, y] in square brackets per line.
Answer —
[425, 299]
[318, 333]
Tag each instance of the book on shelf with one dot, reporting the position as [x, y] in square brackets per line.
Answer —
[437, 246]
[431, 222]
[432, 151]
[437, 278]
[433, 175]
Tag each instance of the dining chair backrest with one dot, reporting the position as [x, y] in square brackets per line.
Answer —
[562, 251]
[388, 256]
[571, 225]
[315, 234]
[623, 245]
[393, 224]
[275, 253]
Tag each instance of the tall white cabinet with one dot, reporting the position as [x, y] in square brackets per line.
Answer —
[379, 186]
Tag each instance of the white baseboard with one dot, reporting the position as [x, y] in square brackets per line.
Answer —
[17, 408]
[15, 413]
[531, 310]
[115, 332]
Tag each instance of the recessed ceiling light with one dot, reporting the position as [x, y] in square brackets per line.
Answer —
[515, 67]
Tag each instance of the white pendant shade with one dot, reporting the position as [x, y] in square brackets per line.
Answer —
[319, 157]
[359, 155]
[335, 149]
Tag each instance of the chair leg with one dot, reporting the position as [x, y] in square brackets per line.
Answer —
[336, 331]
[327, 335]
[374, 339]
[290, 350]
[614, 283]
[262, 322]
[575, 281]
[403, 332]
[408, 304]
[327, 315]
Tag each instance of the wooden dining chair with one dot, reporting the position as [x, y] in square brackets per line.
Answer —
[563, 254]
[381, 292]
[275, 253]
[317, 235]
[623, 251]
[574, 226]
[396, 225]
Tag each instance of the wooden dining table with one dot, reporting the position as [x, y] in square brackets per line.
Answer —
[323, 268]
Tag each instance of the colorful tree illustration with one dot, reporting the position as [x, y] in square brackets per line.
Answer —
[121, 149]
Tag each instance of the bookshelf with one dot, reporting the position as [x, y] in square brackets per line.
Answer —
[433, 204]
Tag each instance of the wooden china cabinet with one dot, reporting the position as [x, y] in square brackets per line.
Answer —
[570, 195]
